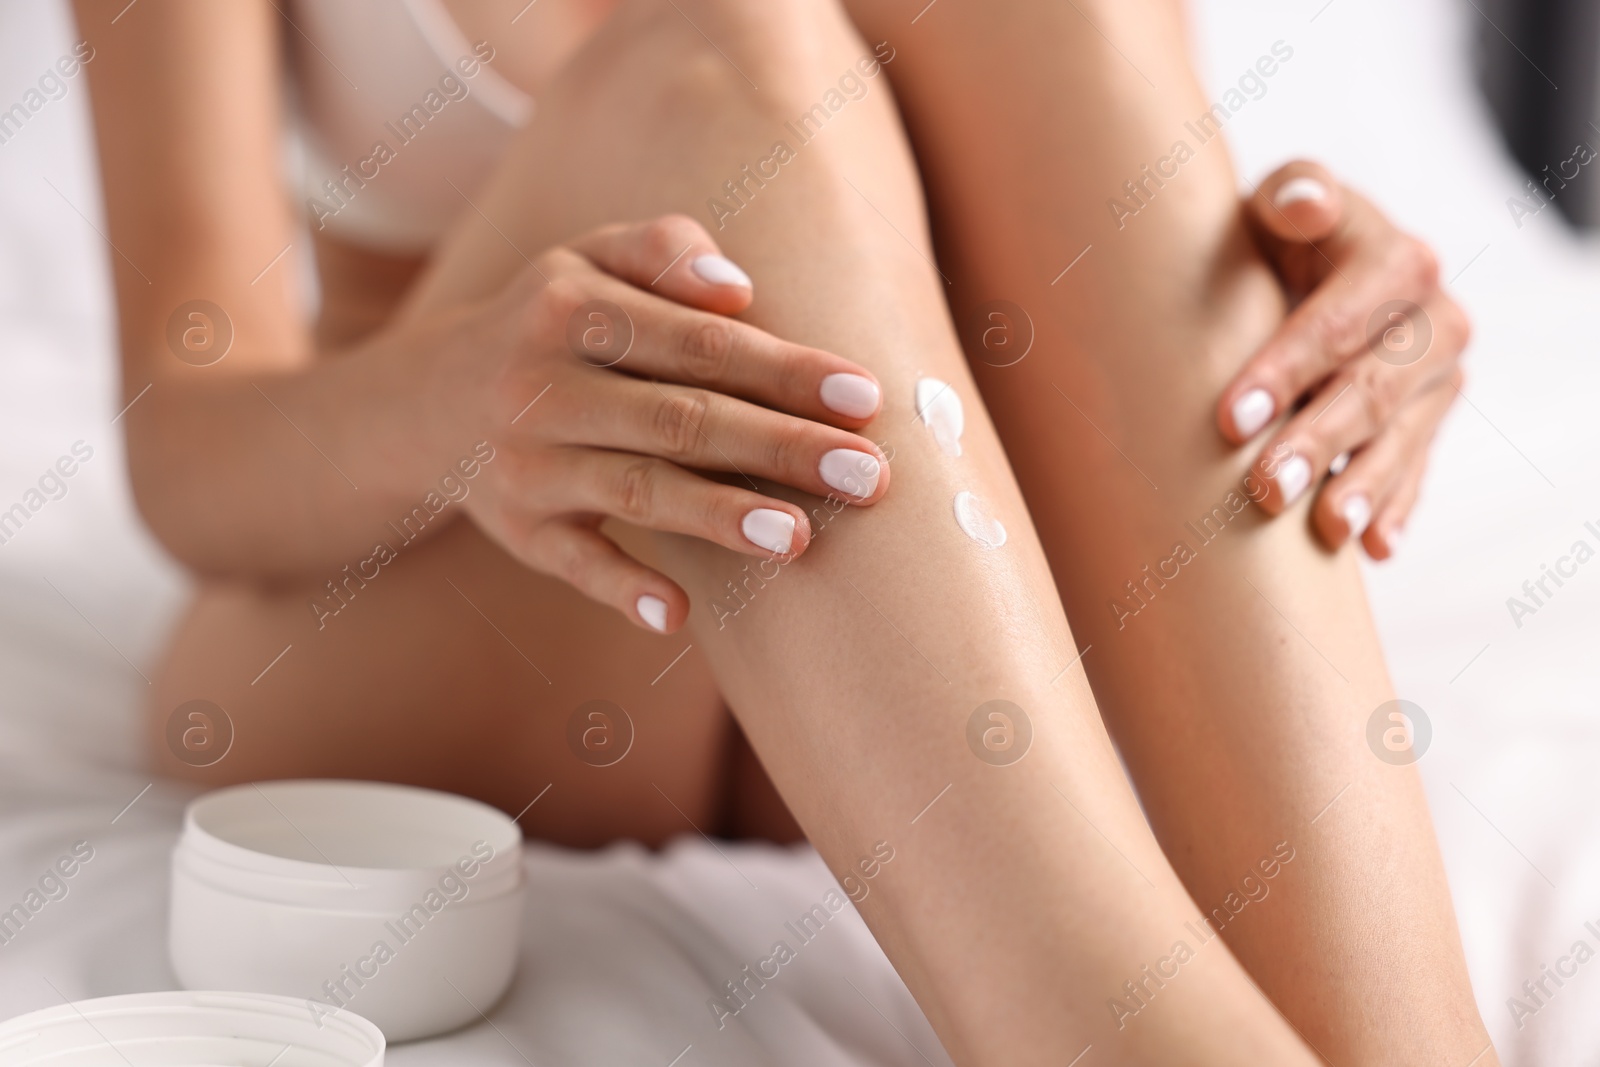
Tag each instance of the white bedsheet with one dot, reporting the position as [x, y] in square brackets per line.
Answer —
[623, 948]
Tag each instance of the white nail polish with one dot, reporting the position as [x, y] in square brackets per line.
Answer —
[1394, 539]
[1357, 512]
[1340, 462]
[1292, 479]
[1297, 189]
[720, 270]
[653, 610]
[851, 472]
[770, 529]
[850, 394]
[1252, 411]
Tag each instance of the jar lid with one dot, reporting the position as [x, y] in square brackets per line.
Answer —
[248, 1029]
[347, 846]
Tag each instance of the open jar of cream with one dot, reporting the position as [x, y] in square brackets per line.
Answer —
[398, 904]
[248, 1029]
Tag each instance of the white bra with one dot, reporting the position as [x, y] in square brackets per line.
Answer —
[396, 106]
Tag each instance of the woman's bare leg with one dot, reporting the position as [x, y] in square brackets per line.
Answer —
[1019, 896]
[458, 669]
[1238, 675]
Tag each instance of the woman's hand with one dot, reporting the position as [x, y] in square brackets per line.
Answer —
[609, 373]
[1372, 351]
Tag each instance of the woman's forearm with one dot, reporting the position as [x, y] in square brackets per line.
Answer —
[273, 474]
[249, 457]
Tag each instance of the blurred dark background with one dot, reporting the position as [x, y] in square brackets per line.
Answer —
[1538, 62]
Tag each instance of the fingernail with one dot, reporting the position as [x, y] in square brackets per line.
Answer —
[1252, 411]
[1394, 539]
[849, 471]
[850, 394]
[653, 610]
[1357, 512]
[770, 529]
[720, 270]
[1293, 477]
[1340, 462]
[1297, 189]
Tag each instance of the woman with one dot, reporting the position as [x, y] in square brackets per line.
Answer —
[898, 657]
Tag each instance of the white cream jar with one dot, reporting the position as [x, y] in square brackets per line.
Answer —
[247, 1029]
[400, 905]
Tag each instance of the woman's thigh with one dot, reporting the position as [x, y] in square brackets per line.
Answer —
[456, 668]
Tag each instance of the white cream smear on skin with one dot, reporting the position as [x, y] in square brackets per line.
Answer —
[972, 515]
[939, 406]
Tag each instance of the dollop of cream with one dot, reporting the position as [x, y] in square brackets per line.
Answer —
[972, 515]
[939, 406]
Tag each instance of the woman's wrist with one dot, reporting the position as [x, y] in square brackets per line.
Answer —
[397, 406]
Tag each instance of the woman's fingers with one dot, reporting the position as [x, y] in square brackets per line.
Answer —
[1383, 537]
[657, 495]
[690, 347]
[1373, 497]
[706, 430]
[1375, 337]
[1299, 202]
[628, 331]
[591, 563]
[672, 256]
[1373, 274]
[1356, 404]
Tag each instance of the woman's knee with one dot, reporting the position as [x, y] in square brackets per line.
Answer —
[717, 98]
[778, 56]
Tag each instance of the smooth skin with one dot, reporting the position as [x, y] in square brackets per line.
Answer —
[1019, 903]
[1240, 691]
